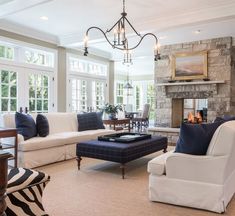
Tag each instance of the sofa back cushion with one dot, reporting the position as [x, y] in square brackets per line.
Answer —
[62, 122]
[25, 125]
[58, 122]
[223, 140]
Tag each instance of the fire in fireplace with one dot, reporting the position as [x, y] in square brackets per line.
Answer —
[188, 110]
[194, 119]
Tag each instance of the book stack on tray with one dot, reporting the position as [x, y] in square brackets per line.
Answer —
[124, 137]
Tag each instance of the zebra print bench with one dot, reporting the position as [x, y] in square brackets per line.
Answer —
[24, 192]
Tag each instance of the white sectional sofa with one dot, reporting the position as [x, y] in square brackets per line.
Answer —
[59, 145]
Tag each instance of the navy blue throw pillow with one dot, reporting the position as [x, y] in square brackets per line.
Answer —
[195, 138]
[25, 125]
[100, 124]
[42, 125]
[224, 118]
[87, 121]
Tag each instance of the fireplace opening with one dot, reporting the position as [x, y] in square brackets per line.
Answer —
[189, 110]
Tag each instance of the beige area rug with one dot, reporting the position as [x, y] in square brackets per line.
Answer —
[98, 190]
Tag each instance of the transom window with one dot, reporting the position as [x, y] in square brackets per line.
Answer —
[88, 67]
[6, 52]
[39, 57]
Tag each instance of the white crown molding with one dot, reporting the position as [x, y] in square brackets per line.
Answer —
[28, 32]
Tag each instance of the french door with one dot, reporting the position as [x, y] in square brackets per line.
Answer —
[29, 89]
[85, 94]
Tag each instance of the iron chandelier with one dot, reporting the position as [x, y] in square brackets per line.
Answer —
[120, 40]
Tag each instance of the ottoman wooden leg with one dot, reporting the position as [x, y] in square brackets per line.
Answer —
[123, 170]
[79, 161]
[164, 150]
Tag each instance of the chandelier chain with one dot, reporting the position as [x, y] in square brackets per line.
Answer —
[124, 6]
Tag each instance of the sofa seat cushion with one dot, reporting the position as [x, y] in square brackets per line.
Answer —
[157, 165]
[76, 137]
[36, 143]
[60, 139]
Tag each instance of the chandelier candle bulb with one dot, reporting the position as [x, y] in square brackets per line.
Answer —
[86, 41]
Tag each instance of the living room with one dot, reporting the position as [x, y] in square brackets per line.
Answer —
[166, 68]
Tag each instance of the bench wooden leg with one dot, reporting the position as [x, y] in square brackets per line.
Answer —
[79, 161]
[123, 170]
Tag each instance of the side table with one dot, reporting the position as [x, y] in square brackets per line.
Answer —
[116, 122]
[10, 132]
[3, 180]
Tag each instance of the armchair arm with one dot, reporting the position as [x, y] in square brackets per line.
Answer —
[210, 169]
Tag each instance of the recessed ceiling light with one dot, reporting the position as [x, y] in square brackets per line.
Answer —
[44, 18]
[197, 31]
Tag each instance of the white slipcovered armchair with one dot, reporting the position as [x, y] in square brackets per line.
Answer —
[205, 182]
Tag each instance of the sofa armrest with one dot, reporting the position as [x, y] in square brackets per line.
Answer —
[206, 168]
[157, 165]
[20, 138]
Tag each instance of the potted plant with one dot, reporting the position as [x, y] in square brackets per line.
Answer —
[112, 110]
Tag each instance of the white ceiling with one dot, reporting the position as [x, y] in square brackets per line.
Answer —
[173, 21]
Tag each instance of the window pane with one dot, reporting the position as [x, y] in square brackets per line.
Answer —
[5, 76]
[32, 105]
[5, 91]
[13, 91]
[39, 105]
[6, 52]
[39, 92]
[13, 78]
[5, 104]
[45, 105]
[45, 81]
[31, 92]
[13, 104]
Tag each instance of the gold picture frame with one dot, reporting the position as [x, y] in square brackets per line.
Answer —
[188, 66]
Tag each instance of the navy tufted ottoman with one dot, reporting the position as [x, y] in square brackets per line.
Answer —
[120, 152]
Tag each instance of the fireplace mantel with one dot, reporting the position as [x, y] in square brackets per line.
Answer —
[191, 83]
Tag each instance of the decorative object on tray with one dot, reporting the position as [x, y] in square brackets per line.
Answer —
[112, 110]
[189, 66]
[124, 137]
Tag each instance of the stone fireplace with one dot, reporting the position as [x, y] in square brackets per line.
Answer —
[218, 90]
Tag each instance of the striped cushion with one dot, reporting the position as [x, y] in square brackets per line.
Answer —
[24, 192]
[42, 125]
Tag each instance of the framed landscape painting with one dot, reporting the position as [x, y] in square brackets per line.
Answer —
[188, 66]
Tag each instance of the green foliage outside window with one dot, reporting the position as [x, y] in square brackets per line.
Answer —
[8, 89]
[6, 52]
